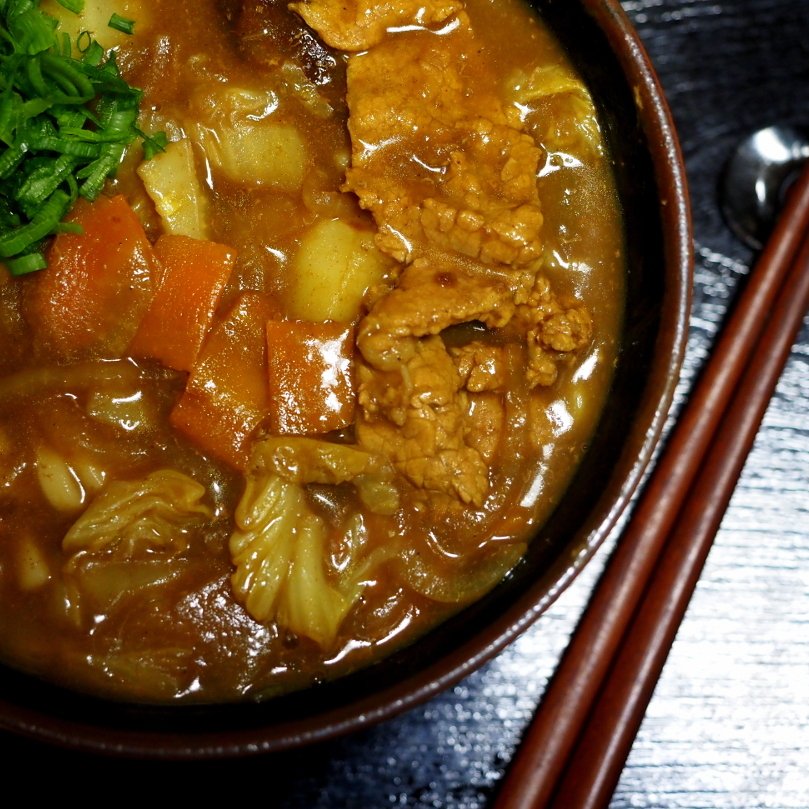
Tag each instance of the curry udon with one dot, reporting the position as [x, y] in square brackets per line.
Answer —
[308, 380]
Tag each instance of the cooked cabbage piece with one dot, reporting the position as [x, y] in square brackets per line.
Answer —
[128, 539]
[279, 550]
[309, 460]
[245, 134]
[305, 90]
[152, 670]
[132, 519]
[570, 123]
[284, 569]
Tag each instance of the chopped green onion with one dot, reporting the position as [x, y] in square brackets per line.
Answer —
[76, 6]
[92, 52]
[11, 158]
[31, 30]
[69, 227]
[42, 181]
[65, 45]
[121, 24]
[154, 144]
[46, 218]
[65, 125]
[31, 262]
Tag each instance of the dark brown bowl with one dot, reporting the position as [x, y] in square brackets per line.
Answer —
[651, 183]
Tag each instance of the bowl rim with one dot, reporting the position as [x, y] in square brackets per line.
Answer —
[675, 215]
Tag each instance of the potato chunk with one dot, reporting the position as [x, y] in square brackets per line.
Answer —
[334, 268]
[260, 153]
[172, 181]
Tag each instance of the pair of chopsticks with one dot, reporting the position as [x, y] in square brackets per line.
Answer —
[575, 748]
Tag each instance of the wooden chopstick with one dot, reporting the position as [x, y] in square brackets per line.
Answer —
[592, 774]
[617, 651]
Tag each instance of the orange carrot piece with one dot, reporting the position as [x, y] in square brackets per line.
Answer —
[194, 273]
[90, 299]
[227, 396]
[310, 374]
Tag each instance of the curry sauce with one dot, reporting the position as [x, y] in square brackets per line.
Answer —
[310, 379]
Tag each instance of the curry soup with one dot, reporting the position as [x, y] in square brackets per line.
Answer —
[309, 379]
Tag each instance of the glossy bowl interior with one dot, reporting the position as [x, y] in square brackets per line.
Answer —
[652, 188]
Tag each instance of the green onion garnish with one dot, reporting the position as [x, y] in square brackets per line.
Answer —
[152, 144]
[65, 123]
[121, 24]
[76, 6]
[30, 262]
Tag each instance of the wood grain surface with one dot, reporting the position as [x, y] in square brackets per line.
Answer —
[728, 726]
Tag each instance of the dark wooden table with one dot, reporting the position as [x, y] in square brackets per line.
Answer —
[729, 723]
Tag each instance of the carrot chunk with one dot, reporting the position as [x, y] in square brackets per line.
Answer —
[194, 273]
[90, 299]
[227, 396]
[310, 376]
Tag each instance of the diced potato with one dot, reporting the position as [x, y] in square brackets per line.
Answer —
[333, 269]
[95, 17]
[258, 152]
[172, 181]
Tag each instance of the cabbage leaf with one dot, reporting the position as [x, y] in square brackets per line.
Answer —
[135, 518]
[280, 548]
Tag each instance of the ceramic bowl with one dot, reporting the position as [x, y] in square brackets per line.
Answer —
[652, 188]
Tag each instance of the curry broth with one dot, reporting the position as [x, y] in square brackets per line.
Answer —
[160, 626]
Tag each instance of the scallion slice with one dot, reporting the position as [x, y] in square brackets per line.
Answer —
[121, 24]
[30, 262]
[76, 6]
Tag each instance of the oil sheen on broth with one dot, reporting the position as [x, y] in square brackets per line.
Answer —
[398, 232]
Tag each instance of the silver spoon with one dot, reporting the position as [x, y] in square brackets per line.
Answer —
[757, 177]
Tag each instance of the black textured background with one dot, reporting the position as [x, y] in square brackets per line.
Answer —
[729, 723]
